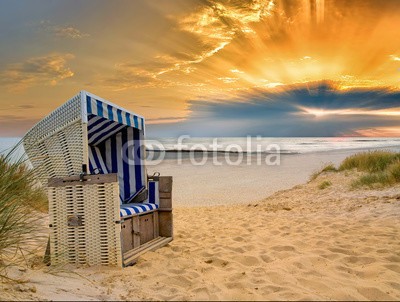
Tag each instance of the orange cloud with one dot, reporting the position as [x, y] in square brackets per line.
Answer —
[48, 69]
[379, 132]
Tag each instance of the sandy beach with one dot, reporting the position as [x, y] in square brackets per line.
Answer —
[303, 243]
[210, 185]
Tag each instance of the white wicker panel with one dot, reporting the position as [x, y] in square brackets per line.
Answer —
[55, 146]
[63, 116]
[97, 241]
[59, 155]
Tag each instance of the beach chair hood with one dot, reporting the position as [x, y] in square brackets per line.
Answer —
[88, 131]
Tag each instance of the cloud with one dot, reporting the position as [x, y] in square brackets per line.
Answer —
[67, 31]
[283, 112]
[378, 132]
[212, 27]
[394, 58]
[137, 75]
[217, 23]
[49, 69]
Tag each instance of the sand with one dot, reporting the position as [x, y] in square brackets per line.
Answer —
[299, 244]
[244, 183]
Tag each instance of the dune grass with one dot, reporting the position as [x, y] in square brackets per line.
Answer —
[327, 168]
[381, 168]
[19, 198]
[372, 162]
[325, 184]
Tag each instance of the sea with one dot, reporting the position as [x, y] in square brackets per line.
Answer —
[297, 145]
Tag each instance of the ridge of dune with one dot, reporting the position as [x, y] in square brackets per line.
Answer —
[302, 243]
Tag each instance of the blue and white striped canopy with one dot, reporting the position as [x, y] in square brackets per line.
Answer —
[113, 113]
[116, 145]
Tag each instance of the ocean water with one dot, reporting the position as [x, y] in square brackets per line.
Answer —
[298, 145]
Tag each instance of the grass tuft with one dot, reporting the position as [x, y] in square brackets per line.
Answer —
[327, 168]
[19, 196]
[394, 171]
[373, 161]
[325, 184]
[381, 168]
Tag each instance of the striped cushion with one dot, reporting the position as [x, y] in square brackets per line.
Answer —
[136, 208]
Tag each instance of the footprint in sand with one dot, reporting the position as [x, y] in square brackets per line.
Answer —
[341, 251]
[247, 260]
[180, 281]
[359, 260]
[266, 258]
[372, 293]
[176, 271]
[238, 239]
[394, 267]
[283, 248]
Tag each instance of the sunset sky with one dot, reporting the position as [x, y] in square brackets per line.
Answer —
[207, 68]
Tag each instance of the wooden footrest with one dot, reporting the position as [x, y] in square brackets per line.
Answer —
[131, 256]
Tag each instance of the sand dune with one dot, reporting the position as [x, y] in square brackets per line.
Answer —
[299, 244]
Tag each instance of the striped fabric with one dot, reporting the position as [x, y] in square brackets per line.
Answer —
[136, 208]
[96, 162]
[112, 113]
[153, 192]
[99, 129]
[116, 148]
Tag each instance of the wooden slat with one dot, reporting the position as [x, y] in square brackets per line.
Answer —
[136, 231]
[131, 256]
[156, 227]
[165, 184]
[126, 235]
[165, 203]
[87, 180]
[166, 224]
[166, 195]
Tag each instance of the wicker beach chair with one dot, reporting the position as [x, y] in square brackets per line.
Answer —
[104, 209]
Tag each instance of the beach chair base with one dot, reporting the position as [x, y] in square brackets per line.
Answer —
[86, 227]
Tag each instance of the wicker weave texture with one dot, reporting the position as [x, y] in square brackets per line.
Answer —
[97, 241]
[60, 118]
[60, 155]
[56, 146]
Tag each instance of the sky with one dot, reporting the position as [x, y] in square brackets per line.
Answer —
[274, 68]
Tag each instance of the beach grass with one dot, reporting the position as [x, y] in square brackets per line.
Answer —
[371, 162]
[20, 197]
[327, 168]
[378, 168]
[325, 184]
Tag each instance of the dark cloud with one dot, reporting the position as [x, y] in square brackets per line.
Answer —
[281, 113]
